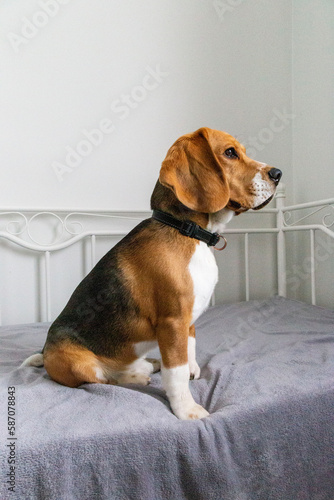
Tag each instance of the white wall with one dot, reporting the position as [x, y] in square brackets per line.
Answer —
[312, 140]
[313, 104]
[259, 69]
[223, 64]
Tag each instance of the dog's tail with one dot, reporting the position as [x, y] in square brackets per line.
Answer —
[34, 360]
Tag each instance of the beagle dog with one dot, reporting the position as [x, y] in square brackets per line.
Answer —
[152, 286]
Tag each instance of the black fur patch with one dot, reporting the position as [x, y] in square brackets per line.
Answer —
[99, 309]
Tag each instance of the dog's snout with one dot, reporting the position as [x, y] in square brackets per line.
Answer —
[275, 174]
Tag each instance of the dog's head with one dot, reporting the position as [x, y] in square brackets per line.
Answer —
[209, 170]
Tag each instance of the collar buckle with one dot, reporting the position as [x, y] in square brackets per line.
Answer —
[188, 228]
[214, 240]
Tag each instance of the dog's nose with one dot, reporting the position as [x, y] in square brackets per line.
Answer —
[275, 174]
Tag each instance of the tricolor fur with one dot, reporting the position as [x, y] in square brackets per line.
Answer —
[152, 286]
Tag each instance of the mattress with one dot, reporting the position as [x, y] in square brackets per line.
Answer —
[266, 378]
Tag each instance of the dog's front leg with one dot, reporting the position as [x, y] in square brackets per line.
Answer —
[195, 370]
[172, 336]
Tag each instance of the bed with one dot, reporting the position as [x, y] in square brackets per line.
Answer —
[267, 369]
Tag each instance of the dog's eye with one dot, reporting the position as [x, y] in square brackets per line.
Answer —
[231, 153]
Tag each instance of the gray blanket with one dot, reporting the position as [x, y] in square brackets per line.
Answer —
[267, 380]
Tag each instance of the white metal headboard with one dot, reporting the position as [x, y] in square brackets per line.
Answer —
[69, 226]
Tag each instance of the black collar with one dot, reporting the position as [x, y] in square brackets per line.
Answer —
[189, 228]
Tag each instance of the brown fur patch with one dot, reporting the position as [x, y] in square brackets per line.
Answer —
[71, 365]
[192, 331]
[200, 175]
[162, 287]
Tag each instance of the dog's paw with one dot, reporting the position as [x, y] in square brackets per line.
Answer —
[193, 413]
[155, 364]
[194, 369]
[134, 378]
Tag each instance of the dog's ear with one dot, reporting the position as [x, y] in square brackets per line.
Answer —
[192, 171]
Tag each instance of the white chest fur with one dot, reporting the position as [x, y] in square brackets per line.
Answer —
[204, 273]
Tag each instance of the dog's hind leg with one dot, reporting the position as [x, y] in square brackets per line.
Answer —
[137, 372]
[73, 365]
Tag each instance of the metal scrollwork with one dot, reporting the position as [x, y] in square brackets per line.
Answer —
[60, 229]
[29, 230]
[67, 222]
[21, 225]
[327, 219]
[287, 216]
[329, 216]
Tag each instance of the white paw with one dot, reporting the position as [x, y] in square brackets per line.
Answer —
[134, 378]
[155, 364]
[195, 370]
[137, 372]
[193, 413]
